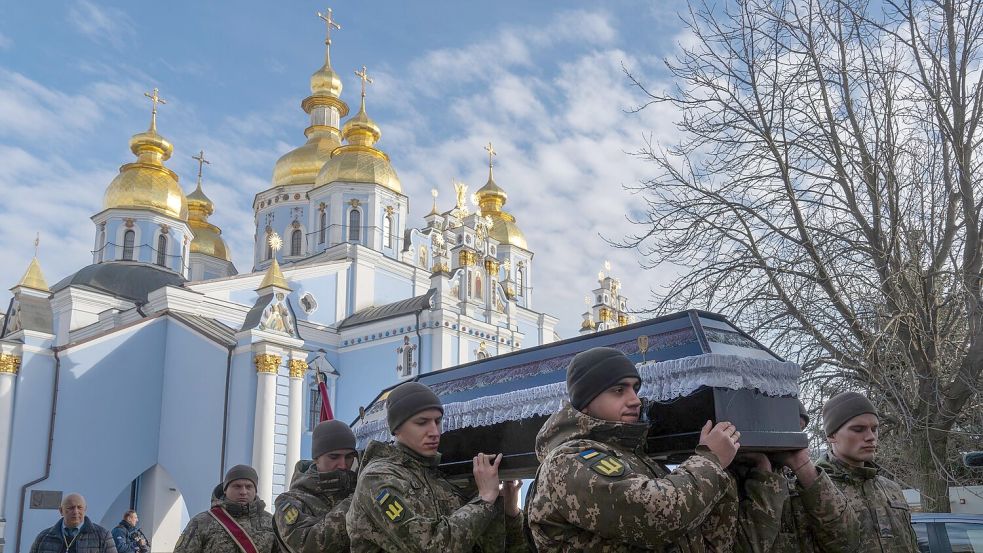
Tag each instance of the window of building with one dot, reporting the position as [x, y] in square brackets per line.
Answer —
[314, 413]
[322, 226]
[162, 250]
[269, 248]
[387, 232]
[520, 280]
[308, 303]
[354, 225]
[128, 238]
[295, 239]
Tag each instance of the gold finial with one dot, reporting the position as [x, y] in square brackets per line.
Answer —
[156, 99]
[364, 75]
[433, 192]
[275, 242]
[33, 278]
[201, 163]
[37, 244]
[491, 152]
[329, 23]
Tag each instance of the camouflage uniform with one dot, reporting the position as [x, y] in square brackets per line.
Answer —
[404, 504]
[817, 519]
[205, 535]
[596, 490]
[310, 517]
[884, 519]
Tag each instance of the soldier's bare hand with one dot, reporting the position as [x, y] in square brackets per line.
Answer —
[800, 463]
[486, 476]
[510, 494]
[722, 440]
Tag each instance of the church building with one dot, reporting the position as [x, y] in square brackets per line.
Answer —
[139, 379]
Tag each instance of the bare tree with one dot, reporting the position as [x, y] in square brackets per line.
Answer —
[825, 193]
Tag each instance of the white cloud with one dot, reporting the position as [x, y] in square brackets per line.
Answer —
[101, 24]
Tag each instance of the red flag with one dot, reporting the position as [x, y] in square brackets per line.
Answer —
[326, 413]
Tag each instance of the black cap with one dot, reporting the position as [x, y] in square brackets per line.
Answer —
[331, 436]
[843, 407]
[595, 370]
[408, 399]
[240, 472]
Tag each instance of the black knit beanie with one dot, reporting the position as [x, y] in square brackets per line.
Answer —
[843, 407]
[803, 413]
[408, 399]
[331, 436]
[595, 370]
[240, 472]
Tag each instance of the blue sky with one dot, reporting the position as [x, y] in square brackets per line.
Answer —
[541, 80]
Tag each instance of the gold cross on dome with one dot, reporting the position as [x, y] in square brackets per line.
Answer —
[364, 75]
[201, 163]
[156, 99]
[330, 23]
[37, 243]
[491, 152]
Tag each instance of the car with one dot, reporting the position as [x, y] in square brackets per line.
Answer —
[948, 533]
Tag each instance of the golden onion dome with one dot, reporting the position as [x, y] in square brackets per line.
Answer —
[326, 81]
[147, 183]
[301, 165]
[208, 237]
[506, 231]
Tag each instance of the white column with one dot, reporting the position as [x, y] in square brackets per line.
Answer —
[267, 366]
[295, 422]
[9, 366]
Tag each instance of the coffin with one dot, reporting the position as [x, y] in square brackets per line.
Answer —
[695, 366]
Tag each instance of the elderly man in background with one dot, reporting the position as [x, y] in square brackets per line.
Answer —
[74, 533]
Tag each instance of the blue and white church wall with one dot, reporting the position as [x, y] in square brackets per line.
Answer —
[142, 236]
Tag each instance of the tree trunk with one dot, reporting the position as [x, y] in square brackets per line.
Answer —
[929, 449]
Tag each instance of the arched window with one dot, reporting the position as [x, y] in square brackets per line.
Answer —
[128, 238]
[520, 280]
[407, 361]
[354, 225]
[295, 237]
[269, 248]
[162, 250]
[423, 257]
[387, 232]
[323, 226]
[477, 286]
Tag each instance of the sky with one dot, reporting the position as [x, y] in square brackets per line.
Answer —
[543, 81]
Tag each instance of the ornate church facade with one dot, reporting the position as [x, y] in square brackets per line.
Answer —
[140, 378]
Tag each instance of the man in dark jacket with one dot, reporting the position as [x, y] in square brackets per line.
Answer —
[74, 533]
[310, 517]
[129, 538]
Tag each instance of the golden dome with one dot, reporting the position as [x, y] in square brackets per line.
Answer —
[301, 165]
[491, 199]
[359, 164]
[146, 183]
[325, 80]
[208, 237]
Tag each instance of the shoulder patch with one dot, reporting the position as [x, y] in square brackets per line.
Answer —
[290, 514]
[392, 506]
[602, 463]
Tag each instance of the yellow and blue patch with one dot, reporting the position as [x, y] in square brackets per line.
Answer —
[602, 463]
[392, 507]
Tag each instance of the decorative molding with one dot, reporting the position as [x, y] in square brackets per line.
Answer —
[268, 363]
[491, 266]
[354, 202]
[9, 364]
[467, 258]
[297, 368]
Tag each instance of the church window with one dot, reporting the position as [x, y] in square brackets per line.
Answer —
[520, 280]
[128, 238]
[405, 363]
[269, 248]
[354, 225]
[323, 226]
[308, 303]
[162, 250]
[295, 238]
[314, 414]
[387, 232]
[423, 257]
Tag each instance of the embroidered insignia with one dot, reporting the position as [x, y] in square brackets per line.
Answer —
[391, 505]
[290, 514]
[602, 463]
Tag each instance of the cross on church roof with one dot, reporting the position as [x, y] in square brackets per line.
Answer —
[329, 23]
[364, 75]
[37, 243]
[156, 99]
[201, 163]
[491, 152]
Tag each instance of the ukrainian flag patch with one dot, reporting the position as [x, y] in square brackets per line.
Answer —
[392, 507]
[602, 463]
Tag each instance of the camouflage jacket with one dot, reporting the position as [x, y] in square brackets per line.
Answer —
[817, 519]
[884, 519]
[205, 535]
[402, 503]
[310, 517]
[597, 491]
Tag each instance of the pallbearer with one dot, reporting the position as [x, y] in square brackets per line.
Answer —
[850, 422]
[403, 503]
[236, 523]
[596, 490]
[310, 517]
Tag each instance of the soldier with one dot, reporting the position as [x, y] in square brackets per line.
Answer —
[596, 490]
[815, 516]
[310, 517]
[237, 521]
[403, 503]
[850, 423]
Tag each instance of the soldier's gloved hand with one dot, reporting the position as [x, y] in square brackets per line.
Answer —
[800, 463]
[722, 440]
[510, 495]
[486, 476]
